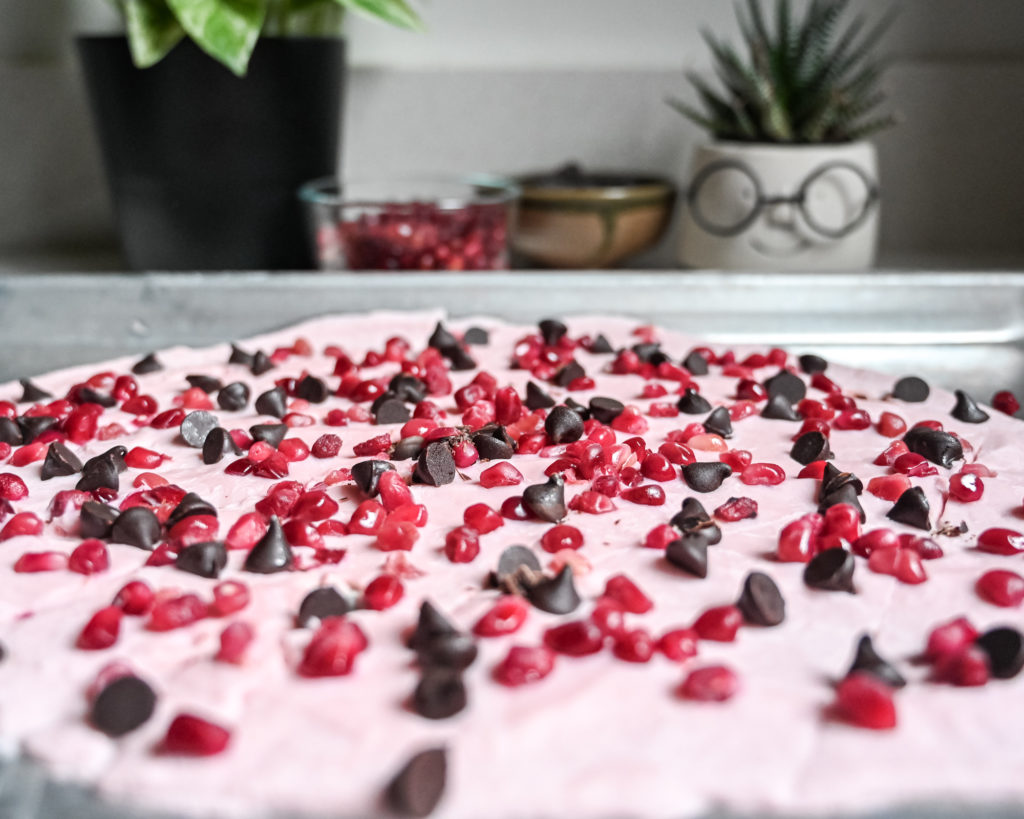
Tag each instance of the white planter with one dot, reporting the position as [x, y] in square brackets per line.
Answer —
[781, 207]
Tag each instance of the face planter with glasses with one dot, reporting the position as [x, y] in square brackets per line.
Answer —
[767, 207]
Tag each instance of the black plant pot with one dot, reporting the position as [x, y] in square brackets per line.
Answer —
[204, 166]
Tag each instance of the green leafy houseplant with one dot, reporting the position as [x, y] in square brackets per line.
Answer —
[806, 80]
[227, 30]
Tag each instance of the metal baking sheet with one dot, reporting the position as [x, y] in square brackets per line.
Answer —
[957, 330]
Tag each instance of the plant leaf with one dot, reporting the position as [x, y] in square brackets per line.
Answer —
[396, 12]
[152, 30]
[227, 30]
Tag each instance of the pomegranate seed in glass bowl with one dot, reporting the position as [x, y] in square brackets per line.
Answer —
[415, 223]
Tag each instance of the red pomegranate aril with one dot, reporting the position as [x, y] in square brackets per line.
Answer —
[500, 474]
[464, 453]
[924, 547]
[713, 683]
[749, 390]
[168, 419]
[842, 402]
[140, 405]
[677, 453]
[30, 453]
[135, 598]
[1006, 402]
[229, 597]
[414, 513]
[139, 458]
[798, 539]
[314, 506]
[383, 592]
[999, 541]
[657, 467]
[852, 419]
[194, 529]
[102, 630]
[506, 616]
[176, 612]
[815, 470]
[373, 446]
[966, 488]
[631, 421]
[662, 409]
[524, 665]
[189, 735]
[888, 487]
[367, 518]
[89, 557]
[736, 509]
[293, 449]
[813, 410]
[873, 541]
[890, 425]
[1001, 587]
[950, 638]
[679, 644]
[235, 640]
[163, 555]
[332, 528]
[889, 455]
[23, 524]
[865, 701]
[647, 495]
[660, 536]
[333, 649]
[246, 531]
[531, 443]
[462, 544]
[634, 646]
[397, 535]
[719, 623]
[736, 459]
[482, 518]
[741, 410]
[12, 487]
[195, 399]
[842, 525]
[908, 567]
[302, 533]
[575, 639]
[35, 562]
[762, 475]
[968, 668]
[627, 594]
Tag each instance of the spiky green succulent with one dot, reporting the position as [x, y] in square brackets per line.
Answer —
[809, 79]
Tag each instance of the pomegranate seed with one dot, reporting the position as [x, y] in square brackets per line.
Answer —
[966, 668]
[719, 624]
[234, 642]
[327, 445]
[592, 503]
[1001, 541]
[647, 495]
[229, 597]
[22, 524]
[333, 649]
[736, 459]
[852, 419]
[798, 539]
[713, 683]
[875, 540]
[383, 592]
[707, 442]
[89, 557]
[889, 487]
[980, 470]
[34, 562]
[508, 406]
[525, 664]
[302, 533]
[609, 616]
[1006, 402]
[30, 453]
[506, 616]
[135, 598]
[102, 630]
[657, 467]
[676, 453]
[741, 410]
[1001, 588]
[176, 612]
[414, 513]
[966, 488]
[865, 701]
[576, 639]
[140, 405]
[482, 517]
[246, 531]
[464, 453]
[462, 544]
[625, 592]
[914, 465]
[814, 410]
[293, 449]
[679, 644]
[889, 455]
[513, 508]
[12, 488]
[842, 525]
[842, 402]
[397, 535]
[636, 646]
[736, 509]
[762, 475]
[500, 474]
[373, 446]
[660, 536]
[367, 518]
[890, 425]
[168, 419]
[950, 638]
[314, 506]
[190, 735]
[749, 390]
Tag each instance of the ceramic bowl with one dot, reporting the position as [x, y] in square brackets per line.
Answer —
[586, 219]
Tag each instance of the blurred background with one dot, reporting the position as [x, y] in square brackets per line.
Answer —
[513, 87]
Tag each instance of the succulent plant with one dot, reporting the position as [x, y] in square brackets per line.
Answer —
[809, 79]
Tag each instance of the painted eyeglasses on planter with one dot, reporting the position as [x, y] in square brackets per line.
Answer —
[726, 198]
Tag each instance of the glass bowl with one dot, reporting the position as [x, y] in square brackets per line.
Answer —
[415, 223]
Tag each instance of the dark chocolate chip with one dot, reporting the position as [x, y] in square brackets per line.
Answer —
[912, 389]
[650, 352]
[367, 474]
[430, 625]
[810, 447]
[812, 364]
[206, 383]
[409, 447]
[569, 373]
[563, 425]
[99, 473]
[87, 395]
[868, 660]
[436, 466]
[967, 410]
[272, 402]
[136, 526]
[693, 403]
[847, 493]
[547, 500]
[552, 330]
[476, 335]
[95, 519]
[261, 363]
[191, 504]
[391, 411]
[518, 566]
[601, 345]
[32, 426]
[459, 359]
[417, 788]
[115, 455]
[556, 595]
[578, 408]
[604, 409]
[320, 604]
[441, 338]
[122, 706]
[312, 389]
[454, 651]
[832, 479]
[830, 570]
[786, 384]
[689, 553]
[1005, 649]
[911, 508]
[761, 601]
[705, 476]
[440, 693]
[408, 387]
[234, 397]
[719, 422]
[493, 443]
[693, 508]
[536, 398]
[937, 446]
[60, 461]
[147, 364]
[10, 432]
[218, 444]
[206, 559]
[240, 356]
[696, 364]
[688, 524]
[271, 434]
[197, 426]
[32, 393]
[271, 553]
[779, 408]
